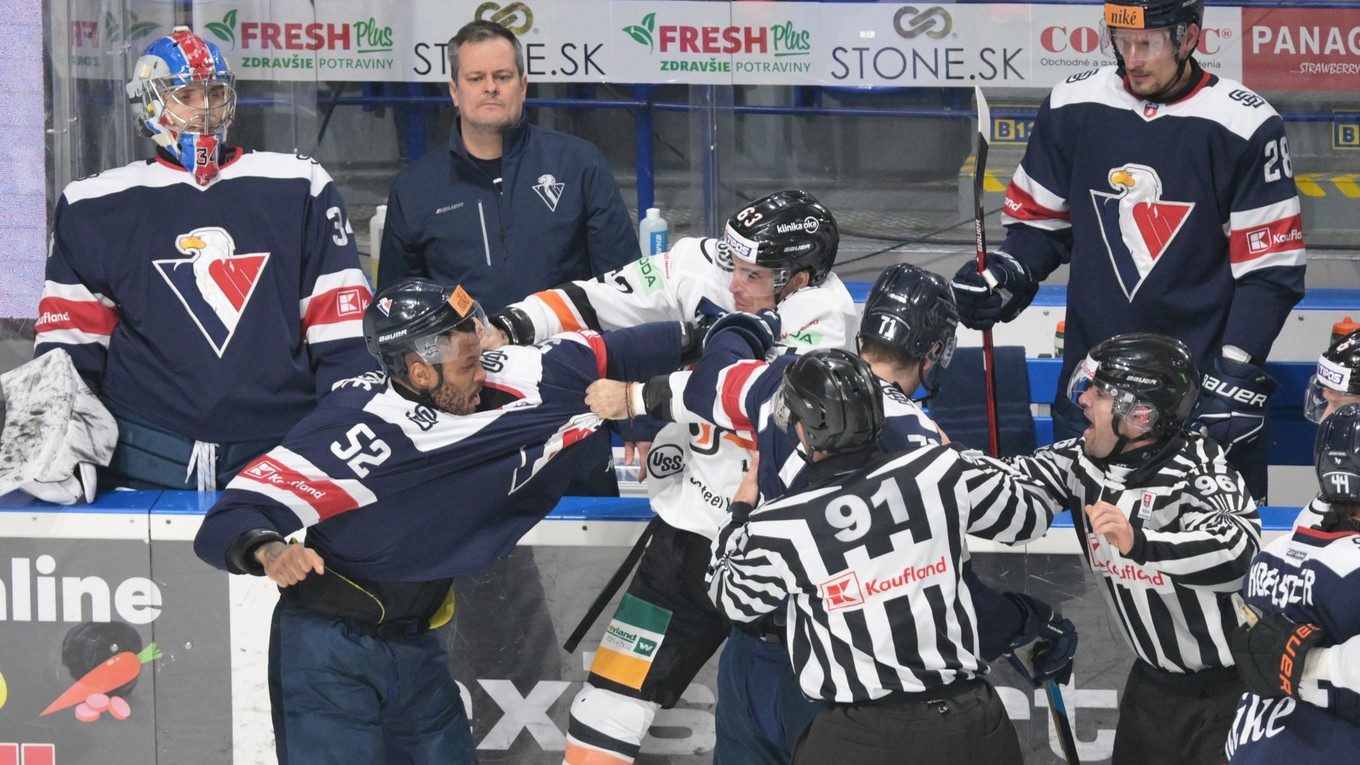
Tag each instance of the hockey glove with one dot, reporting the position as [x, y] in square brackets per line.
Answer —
[1043, 648]
[1270, 652]
[758, 330]
[984, 301]
[516, 324]
[1232, 403]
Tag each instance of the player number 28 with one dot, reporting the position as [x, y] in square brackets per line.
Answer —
[1277, 159]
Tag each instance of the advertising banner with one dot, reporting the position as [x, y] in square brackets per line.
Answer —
[188, 644]
[1301, 48]
[855, 45]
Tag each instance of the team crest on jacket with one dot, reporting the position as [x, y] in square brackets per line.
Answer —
[213, 283]
[549, 190]
[1137, 224]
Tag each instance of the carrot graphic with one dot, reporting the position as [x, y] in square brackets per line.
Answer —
[118, 669]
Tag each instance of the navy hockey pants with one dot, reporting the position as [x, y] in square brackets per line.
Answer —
[340, 695]
[761, 710]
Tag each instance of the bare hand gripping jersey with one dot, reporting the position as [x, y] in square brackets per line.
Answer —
[221, 313]
[394, 490]
[694, 467]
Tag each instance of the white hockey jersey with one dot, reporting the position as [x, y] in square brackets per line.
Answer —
[693, 467]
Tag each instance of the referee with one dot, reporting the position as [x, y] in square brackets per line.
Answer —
[870, 554]
[1169, 529]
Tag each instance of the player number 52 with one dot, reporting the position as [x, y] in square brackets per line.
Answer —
[1277, 159]
[361, 449]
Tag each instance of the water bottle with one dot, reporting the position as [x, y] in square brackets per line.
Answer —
[375, 232]
[653, 233]
[1343, 328]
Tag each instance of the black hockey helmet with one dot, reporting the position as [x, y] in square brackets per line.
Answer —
[1142, 369]
[1175, 16]
[913, 310]
[417, 315]
[1153, 14]
[836, 397]
[1337, 455]
[788, 232]
[1338, 369]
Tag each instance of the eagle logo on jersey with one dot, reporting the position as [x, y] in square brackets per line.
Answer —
[549, 190]
[1136, 223]
[213, 283]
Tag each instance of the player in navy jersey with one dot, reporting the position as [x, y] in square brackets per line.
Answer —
[209, 295]
[1170, 192]
[907, 337]
[1303, 603]
[403, 482]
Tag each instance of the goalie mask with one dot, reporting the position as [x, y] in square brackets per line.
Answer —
[183, 97]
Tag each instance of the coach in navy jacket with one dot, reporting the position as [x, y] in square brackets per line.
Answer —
[511, 208]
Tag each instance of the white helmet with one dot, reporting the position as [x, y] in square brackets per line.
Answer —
[183, 97]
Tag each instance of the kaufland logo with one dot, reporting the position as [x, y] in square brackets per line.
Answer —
[842, 592]
[263, 470]
[351, 301]
[1262, 240]
[908, 575]
[808, 225]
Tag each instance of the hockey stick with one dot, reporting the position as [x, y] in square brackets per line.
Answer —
[984, 116]
[611, 587]
[1062, 724]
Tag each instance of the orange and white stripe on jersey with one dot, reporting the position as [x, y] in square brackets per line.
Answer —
[70, 314]
[1028, 202]
[291, 480]
[335, 309]
[560, 310]
[1265, 237]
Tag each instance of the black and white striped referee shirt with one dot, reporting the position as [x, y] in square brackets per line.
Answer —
[869, 558]
[1195, 531]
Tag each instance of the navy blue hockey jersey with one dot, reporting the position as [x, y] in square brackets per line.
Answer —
[1178, 218]
[394, 490]
[1312, 576]
[219, 312]
[732, 391]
